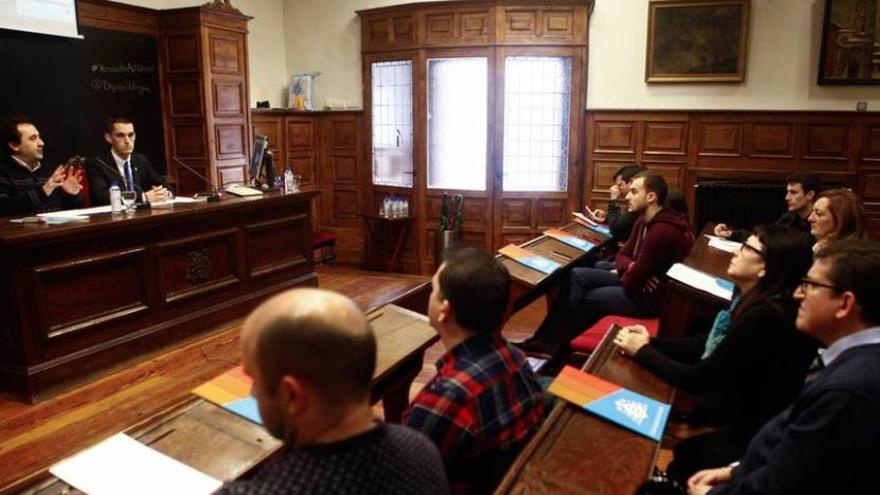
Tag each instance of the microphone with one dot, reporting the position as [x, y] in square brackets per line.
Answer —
[215, 195]
[115, 171]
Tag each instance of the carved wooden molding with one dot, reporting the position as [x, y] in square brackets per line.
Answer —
[222, 5]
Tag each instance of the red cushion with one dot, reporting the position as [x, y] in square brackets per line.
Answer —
[591, 337]
[323, 238]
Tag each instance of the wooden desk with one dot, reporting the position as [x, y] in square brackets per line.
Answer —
[684, 307]
[83, 299]
[530, 284]
[578, 453]
[226, 446]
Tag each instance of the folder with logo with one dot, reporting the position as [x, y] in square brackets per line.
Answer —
[570, 239]
[232, 391]
[595, 227]
[529, 259]
[612, 402]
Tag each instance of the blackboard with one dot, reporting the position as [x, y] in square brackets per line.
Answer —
[69, 87]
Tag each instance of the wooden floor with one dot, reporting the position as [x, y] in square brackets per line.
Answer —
[32, 437]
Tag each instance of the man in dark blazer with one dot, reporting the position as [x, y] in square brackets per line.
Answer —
[828, 441]
[120, 164]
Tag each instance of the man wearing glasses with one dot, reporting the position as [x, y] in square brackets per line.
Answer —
[828, 440]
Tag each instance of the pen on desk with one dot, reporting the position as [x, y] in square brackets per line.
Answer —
[375, 316]
[561, 255]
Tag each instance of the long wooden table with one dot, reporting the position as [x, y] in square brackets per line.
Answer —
[684, 307]
[82, 299]
[577, 453]
[226, 446]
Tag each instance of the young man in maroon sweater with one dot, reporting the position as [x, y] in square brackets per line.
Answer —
[633, 286]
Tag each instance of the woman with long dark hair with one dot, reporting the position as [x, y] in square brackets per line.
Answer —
[753, 362]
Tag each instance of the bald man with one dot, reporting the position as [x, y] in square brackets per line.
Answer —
[312, 355]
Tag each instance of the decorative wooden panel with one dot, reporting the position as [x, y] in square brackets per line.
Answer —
[343, 133]
[671, 173]
[404, 32]
[226, 54]
[378, 33]
[720, 139]
[477, 26]
[303, 163]
[871, 145]
[516, 212]
[275, 246]
[181, 53]
[551, 212]
[667, 138]
[871, 188]
[231, 175]
[439, 27]
[345, 204]
[185, 98]
[520, 24]
[87, 293]
[188, 141]
[270, 128]
[344, 168]
[614, 137]
[558, 24]
[229, 99]
[473, 211]
[826, 142]
[301, 134]
[509, 238]
[198, 266]
[772, 141]
[603, 173]
[230, 141]
[116, 17]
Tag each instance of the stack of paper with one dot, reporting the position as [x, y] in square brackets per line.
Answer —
[121, 464]
[702, 281]
[624, 407]
[723, 244]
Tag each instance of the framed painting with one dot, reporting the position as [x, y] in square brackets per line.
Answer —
[697, 40]
[849, 38]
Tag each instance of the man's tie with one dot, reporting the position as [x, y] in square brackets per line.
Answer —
[129, 179]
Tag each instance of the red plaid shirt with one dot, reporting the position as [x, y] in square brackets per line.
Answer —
[479, 409]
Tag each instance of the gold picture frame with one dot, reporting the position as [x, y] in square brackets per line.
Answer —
[697, 41]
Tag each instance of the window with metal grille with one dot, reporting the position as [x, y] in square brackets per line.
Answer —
[537, 97]
[457, 121]
[392, 123]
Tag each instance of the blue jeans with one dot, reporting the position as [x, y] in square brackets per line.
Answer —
[587, 296]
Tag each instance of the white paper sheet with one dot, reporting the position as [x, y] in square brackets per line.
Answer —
[723, 244]
[702, 281]
[82, 212]
[121, 464]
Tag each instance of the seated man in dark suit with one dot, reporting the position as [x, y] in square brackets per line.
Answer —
[120, 164]
[26, 186]
[484, 402]
[800, 192]
[312, 355]
[828, 440]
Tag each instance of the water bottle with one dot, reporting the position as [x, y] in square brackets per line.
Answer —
[115, 198]
[288, 181]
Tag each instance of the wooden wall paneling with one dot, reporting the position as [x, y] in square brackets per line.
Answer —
[116, 16]
[665, 138]
[771, 140]
[719, 139]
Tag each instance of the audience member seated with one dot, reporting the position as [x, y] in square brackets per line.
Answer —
[312, 354]
[754, 361]
[120, 164]
[676, 201]
[26, 186]
[484, 403]
[619, 222]
[828, 440]
[660, 238]
[837, 215]
[800, 192]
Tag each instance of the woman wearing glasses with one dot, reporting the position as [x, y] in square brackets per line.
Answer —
[837, 214]
[753, 361]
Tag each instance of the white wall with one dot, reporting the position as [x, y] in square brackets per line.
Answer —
[266, 44]
[781, 65]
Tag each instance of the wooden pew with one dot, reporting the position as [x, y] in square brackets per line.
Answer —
[577, 453]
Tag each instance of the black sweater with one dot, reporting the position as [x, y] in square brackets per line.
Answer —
[21, 191]
[753, 374]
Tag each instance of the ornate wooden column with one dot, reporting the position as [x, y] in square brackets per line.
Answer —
[204, 59]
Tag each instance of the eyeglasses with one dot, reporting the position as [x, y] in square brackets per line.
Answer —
[807, 285]
[749, 247]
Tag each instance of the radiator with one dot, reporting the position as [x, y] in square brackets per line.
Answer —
[739, 204]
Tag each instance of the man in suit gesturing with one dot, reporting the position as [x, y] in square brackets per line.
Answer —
[120, 164]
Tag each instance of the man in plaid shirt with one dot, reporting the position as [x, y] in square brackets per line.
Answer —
[484, 402]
